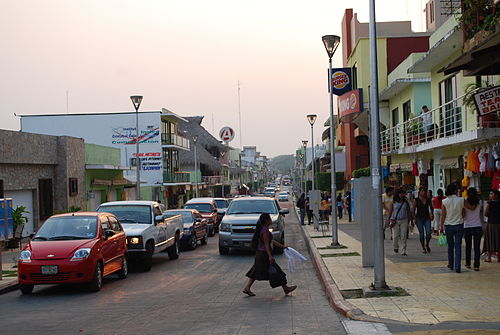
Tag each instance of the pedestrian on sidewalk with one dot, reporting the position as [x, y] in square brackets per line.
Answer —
[309, 211]
[473, 228]
[492, 233]
[400, 216]
[340, 205]
[387, 199]
[424, 215]
[301, 205]
[324, 212]
[437, 202]
[262, 241]
[348, 204]
[452, 219]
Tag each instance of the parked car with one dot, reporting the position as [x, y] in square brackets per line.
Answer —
[195, 227]
[148, 231]
[283, 196]
[208, 209]
[222, 205]
[80, 247]
[238, 225]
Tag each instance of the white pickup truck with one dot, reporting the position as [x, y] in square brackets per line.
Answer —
[148, 230]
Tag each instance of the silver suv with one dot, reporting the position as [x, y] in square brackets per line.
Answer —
[239, 221]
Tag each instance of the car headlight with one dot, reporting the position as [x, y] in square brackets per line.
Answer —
[274, 227]
[135, 240]
[25, 256]
[225, 227]
[81, 254]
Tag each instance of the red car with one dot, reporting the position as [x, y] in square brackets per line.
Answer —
[80, 247]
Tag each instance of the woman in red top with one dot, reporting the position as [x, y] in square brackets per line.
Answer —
[437, 202]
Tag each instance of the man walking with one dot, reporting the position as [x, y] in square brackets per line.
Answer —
[301, 204]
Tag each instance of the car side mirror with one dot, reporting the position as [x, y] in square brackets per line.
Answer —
[108, 233]
[284, 211]
[221, 211]
[159, 218]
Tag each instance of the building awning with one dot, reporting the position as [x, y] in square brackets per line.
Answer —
[400, 84]
[449, 163]
[439, 52]
[107, 167]
[481, 60]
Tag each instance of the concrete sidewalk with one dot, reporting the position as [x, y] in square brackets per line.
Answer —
[436, 294]
[9, 261]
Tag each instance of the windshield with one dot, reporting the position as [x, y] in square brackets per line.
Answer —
[68, 228]
[252, 206]
[205, 208]
[186, 216]
[221, 203]
[129, 214]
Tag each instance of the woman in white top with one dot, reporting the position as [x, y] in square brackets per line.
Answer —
[452, 219]
[473, 228]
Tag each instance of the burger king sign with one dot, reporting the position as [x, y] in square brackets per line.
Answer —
[340, 81]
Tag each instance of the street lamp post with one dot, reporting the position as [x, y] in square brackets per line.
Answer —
[304, 165]
[331, 43]
[195, 139]
[136, 100]
[379, 282]
[312, 118]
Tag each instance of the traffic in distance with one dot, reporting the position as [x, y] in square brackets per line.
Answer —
[84, 247]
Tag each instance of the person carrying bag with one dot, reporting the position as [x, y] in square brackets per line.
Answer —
[265, 267]
[399, 217]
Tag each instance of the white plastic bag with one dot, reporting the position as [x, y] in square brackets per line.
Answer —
[293, 256]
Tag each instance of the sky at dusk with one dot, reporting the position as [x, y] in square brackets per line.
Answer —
[88, 56]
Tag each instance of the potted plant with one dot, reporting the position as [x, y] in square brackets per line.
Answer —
[19, 219]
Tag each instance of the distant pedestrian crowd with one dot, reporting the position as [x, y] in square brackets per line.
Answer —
[342, 202]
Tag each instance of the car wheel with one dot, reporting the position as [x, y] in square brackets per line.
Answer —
[278, 250]
[26, 288]
[223, 250]
[96, 283]
[193, 242]
[204, 240]
[122, 274]
[173, 251]
[147, 261]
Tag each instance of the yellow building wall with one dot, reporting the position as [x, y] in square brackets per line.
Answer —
[360, 57]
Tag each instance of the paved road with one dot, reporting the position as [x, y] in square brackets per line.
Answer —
[200, 293]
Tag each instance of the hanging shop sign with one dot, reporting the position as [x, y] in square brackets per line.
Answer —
[406, 167]
[226, 134]
[350, 105]
[340, 81]
[488, 101]
[449, 163]
[394, 168]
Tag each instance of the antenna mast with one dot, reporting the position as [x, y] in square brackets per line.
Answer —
[239, 113]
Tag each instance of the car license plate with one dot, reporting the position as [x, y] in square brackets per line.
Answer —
[49, 269]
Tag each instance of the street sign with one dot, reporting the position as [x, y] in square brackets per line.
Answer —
[340, 80]
[226, 134]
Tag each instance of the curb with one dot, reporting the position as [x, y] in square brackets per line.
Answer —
[8, 287]
[332, 291]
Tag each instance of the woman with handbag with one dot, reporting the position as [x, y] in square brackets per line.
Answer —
[473, 228]
[262, 241]
[424, 215]
[399, 218]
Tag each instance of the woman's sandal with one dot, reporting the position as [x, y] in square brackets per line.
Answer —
[249, 293]
[290, 289]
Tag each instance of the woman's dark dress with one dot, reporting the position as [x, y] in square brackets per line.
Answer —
[492, 232]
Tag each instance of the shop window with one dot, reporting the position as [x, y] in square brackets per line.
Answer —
[73, 187]
[395, 117]
[406, 110]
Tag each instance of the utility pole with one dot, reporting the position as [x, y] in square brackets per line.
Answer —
[379, 262]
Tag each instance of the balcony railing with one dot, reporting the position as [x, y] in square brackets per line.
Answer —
[447, 120]
[174, 139]
[176, 177]
[213, 180]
